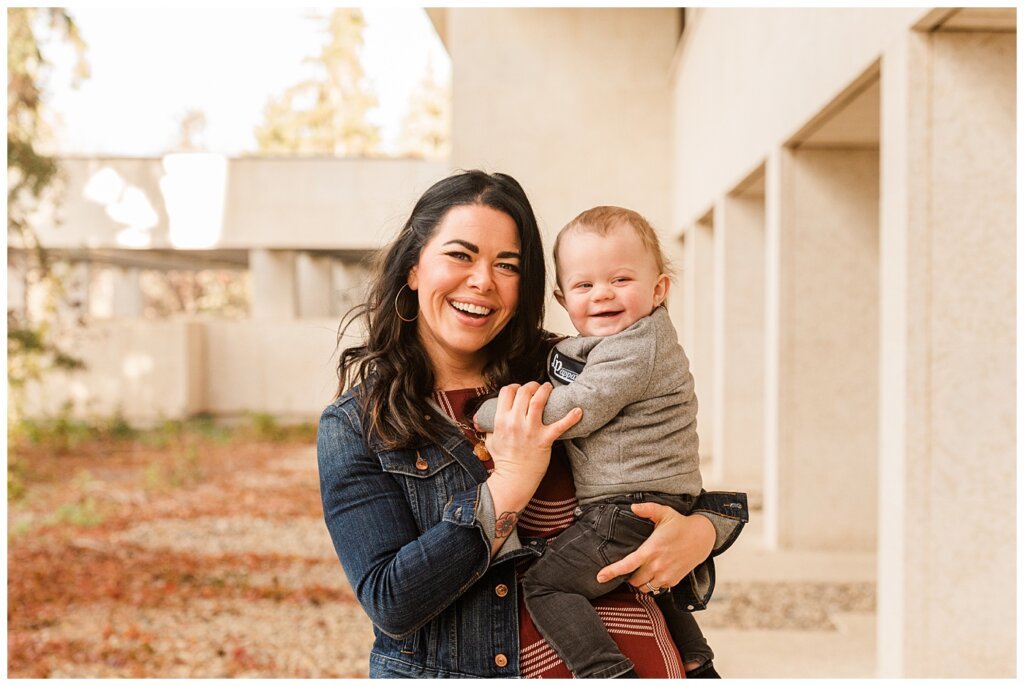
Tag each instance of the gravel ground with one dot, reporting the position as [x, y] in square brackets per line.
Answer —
[217, 639]
[302, 537]
[781, 605]
[279, 604]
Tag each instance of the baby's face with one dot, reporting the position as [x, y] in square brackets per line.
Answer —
[608, 283]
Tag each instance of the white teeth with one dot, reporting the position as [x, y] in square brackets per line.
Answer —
[467, 307]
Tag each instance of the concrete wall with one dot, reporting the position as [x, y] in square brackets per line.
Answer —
[948, 437]
[759, 74]
[142, 370]
[286, 368]
[696, 326]
[737, 435]
[208, 201]
[890, 298]
[827, 330]
[571, 102]
[172, 369]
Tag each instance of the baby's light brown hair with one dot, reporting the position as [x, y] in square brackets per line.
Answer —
[605, 218]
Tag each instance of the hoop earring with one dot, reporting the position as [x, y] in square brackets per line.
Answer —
[399, 312]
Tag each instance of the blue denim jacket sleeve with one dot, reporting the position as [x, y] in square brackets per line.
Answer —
[728, 513]
[402, 577]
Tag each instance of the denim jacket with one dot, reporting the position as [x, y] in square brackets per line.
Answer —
[407, 527]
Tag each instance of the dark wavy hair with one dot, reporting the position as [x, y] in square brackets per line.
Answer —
[391, 368]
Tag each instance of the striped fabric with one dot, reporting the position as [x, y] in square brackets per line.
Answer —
[633, 619]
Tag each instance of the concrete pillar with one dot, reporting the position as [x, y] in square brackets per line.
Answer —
[348, 286]
[273, 284]
[697, 326]
[737, 437]
[824, 385]
[101, 292]
[126, 293]
[313, 275]
[947, 431]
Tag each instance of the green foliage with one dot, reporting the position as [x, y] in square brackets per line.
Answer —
[118, 428]
[206, 426]
[15, 479]
[327, 113]
[183, 470]
[62, 433]
[32, 347]
[266, 428]
[83, 513]
[29, 172]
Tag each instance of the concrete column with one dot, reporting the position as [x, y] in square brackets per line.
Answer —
[348, 286]
[126, 293]
[947, 431]
[313, 275]
[101, 292]
[273, 284]
[737, 437]
[697, 334]
[825, 349]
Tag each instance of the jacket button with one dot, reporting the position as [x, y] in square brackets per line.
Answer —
[500, 660]
[421, 463]
[501, 590]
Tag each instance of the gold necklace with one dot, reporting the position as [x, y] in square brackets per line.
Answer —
[479, 447]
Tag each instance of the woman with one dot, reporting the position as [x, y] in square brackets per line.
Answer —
[432, 525]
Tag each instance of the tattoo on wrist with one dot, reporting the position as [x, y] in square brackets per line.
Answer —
[505, 524]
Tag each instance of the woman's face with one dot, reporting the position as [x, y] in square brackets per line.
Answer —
[467, 285]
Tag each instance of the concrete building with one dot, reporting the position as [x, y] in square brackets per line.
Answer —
[836, 188]
[301, 228]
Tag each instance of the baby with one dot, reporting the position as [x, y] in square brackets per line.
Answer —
[636, 442]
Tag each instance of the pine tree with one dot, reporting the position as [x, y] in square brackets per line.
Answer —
[327, 113]
[426, 127]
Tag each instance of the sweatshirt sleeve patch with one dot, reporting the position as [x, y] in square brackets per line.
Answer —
[564, 368]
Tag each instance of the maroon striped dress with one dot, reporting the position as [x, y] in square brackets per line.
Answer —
[632, 618]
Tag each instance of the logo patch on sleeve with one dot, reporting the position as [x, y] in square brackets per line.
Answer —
[565, 369]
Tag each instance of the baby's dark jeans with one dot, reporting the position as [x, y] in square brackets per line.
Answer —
[559, 586]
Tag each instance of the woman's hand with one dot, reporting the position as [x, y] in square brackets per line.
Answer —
[521, 449]
[677, 545]
[521, 443]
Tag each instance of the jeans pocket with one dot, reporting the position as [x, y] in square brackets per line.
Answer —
[626, 532]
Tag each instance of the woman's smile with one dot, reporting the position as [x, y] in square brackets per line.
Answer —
[467, 285]
[471, 309]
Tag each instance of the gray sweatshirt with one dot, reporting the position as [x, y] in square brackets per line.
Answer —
[639, 426]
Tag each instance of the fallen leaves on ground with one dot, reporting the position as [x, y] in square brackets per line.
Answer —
[199, 558]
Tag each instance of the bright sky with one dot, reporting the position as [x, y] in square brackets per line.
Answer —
[150, 65]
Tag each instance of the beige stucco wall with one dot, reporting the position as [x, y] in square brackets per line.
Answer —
[209, 201]
[745, 80]
[948, 437]
[284, 367]
[737, 435]
[827, 397]
[696, 325]
[149, 370]
[574, 103]
[141, 369]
